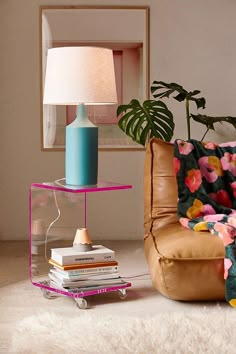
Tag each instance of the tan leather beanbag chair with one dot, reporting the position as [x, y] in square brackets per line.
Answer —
[184, 264]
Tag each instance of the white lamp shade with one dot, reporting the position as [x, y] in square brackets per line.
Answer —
[77, 75]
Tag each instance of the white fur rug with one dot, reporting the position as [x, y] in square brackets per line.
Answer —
[205, 331]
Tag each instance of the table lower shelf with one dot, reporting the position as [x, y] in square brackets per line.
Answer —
[79, 295]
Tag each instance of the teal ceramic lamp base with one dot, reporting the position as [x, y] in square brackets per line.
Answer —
[81, 150]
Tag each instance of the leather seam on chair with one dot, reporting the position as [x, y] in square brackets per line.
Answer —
[183, 258]
[154, 241]
[160, 258]
[163, 259]
[164, 279]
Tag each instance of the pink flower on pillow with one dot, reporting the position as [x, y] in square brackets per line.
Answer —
[228, 162]
[232, 221]
[193, 180]
[226, 232]
[213, 218]
[210, 167]
[184, 147]
[210, 145]
[233, 185]
[184, 222]
[233, 214]
[227, 265]
[208, 209]
[176, 162]
[229, 143]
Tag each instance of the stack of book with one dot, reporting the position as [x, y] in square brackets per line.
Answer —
[75, 271]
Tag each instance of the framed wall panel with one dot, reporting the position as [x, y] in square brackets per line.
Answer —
[125, 30]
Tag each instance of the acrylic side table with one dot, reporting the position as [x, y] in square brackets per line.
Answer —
[56, 211]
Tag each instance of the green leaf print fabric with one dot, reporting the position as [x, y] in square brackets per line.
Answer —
[206, 178]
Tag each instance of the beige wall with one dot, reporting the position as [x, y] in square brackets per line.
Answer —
[192, 43]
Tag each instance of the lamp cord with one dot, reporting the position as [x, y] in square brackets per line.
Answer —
[58, 182]
[58, 216]
[135, 276]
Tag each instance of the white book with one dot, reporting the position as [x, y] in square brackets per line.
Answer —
[86, 271]
[84, 276]
[69, 255]
[83, 283]
[87, 288]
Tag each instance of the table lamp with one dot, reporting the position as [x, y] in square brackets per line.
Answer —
[80, 76]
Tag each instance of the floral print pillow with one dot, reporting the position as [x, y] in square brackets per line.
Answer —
[205, 172]
[206, 178]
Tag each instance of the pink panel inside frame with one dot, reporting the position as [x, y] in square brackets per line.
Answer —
[106, 114]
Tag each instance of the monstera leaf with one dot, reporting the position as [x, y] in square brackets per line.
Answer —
[141, 122]
[165, 90]
[209, 121]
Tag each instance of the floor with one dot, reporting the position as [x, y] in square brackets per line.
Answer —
[19, 298]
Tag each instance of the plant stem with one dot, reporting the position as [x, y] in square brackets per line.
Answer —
[188, 117]
[205, 133]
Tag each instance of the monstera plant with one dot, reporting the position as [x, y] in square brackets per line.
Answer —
[161, 89]
[153, 118]
[147, 120]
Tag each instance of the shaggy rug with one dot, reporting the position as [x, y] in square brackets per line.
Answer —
[205, 331]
